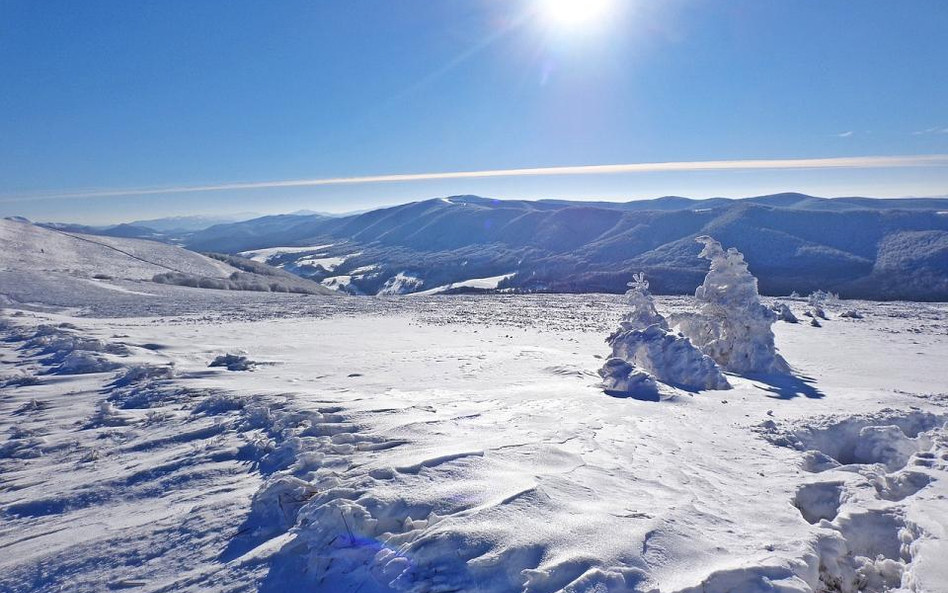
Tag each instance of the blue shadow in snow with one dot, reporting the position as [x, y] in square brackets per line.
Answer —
[787, 386]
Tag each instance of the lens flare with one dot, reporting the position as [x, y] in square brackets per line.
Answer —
[574, 13]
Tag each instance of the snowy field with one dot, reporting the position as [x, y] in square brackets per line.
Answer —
[439, 444]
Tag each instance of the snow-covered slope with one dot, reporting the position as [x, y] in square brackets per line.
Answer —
[27, 247]
[51, 267]
[463, 444]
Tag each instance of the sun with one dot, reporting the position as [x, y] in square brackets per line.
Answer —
[573, 14]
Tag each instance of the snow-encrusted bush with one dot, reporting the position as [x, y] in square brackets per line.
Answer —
[233, 362]
[784, 313]
[644, 349]
[733, 327]
[144, 372]
[818, 301]
[620, 377]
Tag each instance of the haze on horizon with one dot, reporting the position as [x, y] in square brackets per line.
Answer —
[114, 112]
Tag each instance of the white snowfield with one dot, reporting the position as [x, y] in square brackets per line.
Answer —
[264, 255]
[460, 444]
[476, 283]
[26, 247]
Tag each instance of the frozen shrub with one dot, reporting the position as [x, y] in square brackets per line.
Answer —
[644, 349]
[142, 372]
[733, 327]
[642, 312]
[21, 379]
[620, 377]
[818, 302]
[784, 313]
[233, 362]
[851, 314]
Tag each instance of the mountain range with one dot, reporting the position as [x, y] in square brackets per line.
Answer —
[858, 247]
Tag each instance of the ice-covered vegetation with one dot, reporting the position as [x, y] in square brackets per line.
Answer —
[236, 281]
[733, 327]
[644, 349]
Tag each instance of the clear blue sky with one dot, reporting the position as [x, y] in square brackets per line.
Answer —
[111, 95]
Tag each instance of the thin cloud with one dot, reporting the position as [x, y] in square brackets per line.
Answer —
[862, 162]
[845, 134]
[935, 130]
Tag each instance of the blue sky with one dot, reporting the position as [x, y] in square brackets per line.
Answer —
[100, 96]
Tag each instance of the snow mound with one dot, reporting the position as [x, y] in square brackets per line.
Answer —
[644, 349]
[733, 327]
[81, 362]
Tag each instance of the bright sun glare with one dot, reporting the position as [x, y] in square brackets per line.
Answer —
[574, 13]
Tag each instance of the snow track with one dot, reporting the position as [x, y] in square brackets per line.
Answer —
[120, 470]
[867, 469]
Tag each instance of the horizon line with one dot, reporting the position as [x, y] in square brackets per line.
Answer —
[863, 162]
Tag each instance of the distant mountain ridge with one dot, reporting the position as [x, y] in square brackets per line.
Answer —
[859, 247]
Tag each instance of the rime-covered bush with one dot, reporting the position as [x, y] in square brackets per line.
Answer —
[642, 312]
[818, 301]
[241, 281]
[644, 349]
[784, 313]
[620, 377]
[233, 362]
[733, 327]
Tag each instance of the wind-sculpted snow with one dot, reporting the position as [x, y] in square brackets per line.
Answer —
[873, 534]
[463, 444]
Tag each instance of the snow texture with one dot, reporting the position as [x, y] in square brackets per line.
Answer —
[457, 444]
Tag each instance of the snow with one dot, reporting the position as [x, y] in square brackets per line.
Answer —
[264, 255]
[490, 283]
[26, 247]
[337, 282]
[401, 283]
[457, 443]
[363, 270]
[327, 263]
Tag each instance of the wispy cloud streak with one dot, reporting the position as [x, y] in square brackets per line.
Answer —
[935, 130]
[863, 162]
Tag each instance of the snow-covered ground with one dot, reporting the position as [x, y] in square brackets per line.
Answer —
[476, 283]
[456, 444]
[263, 255]
[24, 246]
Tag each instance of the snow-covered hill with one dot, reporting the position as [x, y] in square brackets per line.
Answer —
[49, 266]
[794, 243]
[28, 247]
